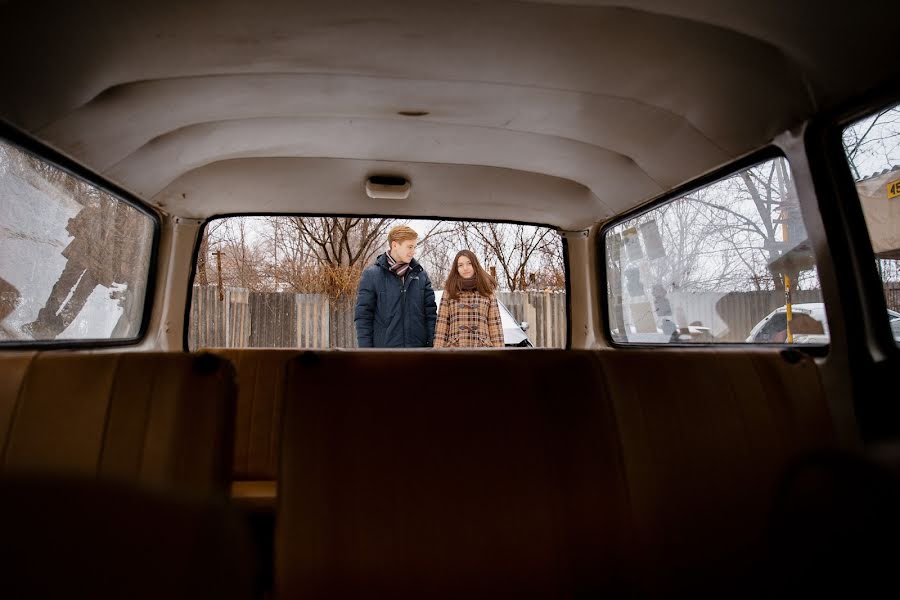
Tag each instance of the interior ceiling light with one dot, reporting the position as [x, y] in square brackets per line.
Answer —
[389, 187]
[412, 113]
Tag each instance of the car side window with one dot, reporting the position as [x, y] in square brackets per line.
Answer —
[725, 263]
[74, 259]
[872, 146]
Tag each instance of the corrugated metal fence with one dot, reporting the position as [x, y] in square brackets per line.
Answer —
[247, 319]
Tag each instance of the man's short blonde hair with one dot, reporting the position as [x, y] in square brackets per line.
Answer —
[401, 233]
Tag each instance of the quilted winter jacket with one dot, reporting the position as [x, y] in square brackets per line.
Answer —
[391, 313]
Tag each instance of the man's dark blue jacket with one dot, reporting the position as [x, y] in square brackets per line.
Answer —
[391, 313]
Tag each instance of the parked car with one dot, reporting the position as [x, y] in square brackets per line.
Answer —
[513, 331]
[809, 325]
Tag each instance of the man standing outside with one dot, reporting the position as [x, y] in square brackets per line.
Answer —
[395, 305]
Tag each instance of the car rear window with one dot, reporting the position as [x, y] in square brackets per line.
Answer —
[74, 259]
[293, 281]
[725, 263]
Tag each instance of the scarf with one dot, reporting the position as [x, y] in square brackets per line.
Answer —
[468, 285]
[397, 268]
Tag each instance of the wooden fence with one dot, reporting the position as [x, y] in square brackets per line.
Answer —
[283, 320]
[892, 295]
[247, 319]
[545, 313]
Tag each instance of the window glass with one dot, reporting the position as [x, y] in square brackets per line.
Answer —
[873, 151]
[74, 260]
[293, 282]
[726, 263]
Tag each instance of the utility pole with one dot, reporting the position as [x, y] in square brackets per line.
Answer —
[275, 273]
[789, 338]
[218, 254]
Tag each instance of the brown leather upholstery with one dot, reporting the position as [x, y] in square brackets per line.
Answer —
[540, 473]
[705, 436]
[154, 418]
[260, 376]
[449, 474]
[75, 538]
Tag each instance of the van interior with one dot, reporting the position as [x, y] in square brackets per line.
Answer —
[697, 166]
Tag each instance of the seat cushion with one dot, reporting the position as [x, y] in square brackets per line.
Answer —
[77, 538]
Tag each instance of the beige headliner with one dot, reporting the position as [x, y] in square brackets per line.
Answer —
[559, 112]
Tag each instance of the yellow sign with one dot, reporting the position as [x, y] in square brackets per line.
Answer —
[893, 188]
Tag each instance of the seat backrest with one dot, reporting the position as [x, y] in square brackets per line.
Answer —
[539, 472]
[260, 375]
[705, 436]
[85, 538]
[163, 419]
[449, 474]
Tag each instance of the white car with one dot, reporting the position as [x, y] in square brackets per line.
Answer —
[513, 331]
[809, 325]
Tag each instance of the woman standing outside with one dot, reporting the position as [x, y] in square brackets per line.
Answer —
[469, 316]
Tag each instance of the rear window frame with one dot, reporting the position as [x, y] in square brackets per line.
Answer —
[767, 153]
[205, 222]
[28, 145]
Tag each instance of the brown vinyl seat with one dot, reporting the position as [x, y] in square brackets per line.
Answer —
[160, 419]
[76, 537]
[539, 473]
[449, 474]
[706, 436]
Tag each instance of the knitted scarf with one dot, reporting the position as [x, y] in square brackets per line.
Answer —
[468, 285]
[397, 268]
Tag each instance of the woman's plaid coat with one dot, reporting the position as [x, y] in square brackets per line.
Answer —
[470, 321]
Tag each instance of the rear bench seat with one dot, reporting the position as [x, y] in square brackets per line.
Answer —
[539, 473]
[162, 419]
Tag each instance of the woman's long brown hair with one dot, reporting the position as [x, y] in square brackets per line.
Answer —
[484, 283]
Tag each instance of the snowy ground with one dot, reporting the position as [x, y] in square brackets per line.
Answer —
[33, 234]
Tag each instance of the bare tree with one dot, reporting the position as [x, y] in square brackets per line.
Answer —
[341, 241]
[290, 264]
[873, 143]
[745, 216]
[507, 246]
[437, 249]
[242, 257]
[203, 252]
[339, 247]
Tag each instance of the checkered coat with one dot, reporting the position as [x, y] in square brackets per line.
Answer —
[470, 321]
